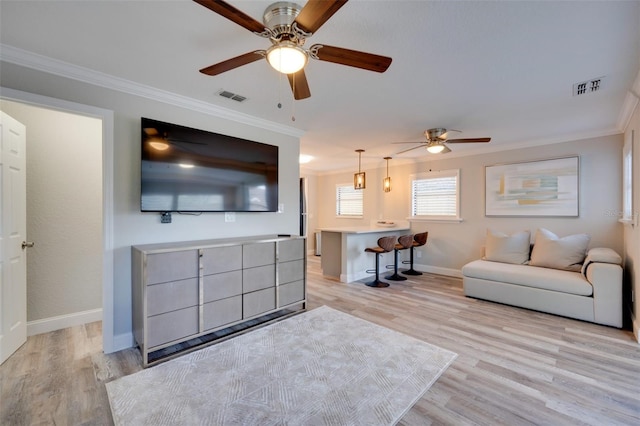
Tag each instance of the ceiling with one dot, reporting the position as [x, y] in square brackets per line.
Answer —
[503, 69]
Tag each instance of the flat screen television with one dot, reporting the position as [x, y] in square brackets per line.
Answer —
[190, 170]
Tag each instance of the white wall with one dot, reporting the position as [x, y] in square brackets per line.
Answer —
[451, 245]
[64, 211]
[132, 227]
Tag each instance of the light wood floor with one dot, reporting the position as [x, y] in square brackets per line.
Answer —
[514, 367]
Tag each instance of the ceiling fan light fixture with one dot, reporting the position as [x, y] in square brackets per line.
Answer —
[158, 144]
[287, 57]
[435, 148]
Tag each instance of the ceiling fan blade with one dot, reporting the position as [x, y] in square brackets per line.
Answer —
[316, 12]
[394, 143]
[232, 63]
[471, 140]
[224, 9]
[410, 149]
[299, 85]
[445, 150]
[352, 58]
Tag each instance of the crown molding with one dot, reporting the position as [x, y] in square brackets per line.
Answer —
[49, 65]
[629, 105]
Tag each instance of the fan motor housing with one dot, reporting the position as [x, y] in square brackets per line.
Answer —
[279, 16]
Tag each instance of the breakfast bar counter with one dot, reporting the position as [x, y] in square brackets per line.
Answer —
[343, 254]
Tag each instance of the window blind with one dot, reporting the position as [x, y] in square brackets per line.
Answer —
[349, 201]
[435, 195]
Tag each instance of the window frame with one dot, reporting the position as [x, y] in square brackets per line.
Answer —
[628, 214]
[434, 175]
[355, 191]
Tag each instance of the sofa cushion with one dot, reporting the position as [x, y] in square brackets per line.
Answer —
[514, 248]
[529, 276]
[551, 251]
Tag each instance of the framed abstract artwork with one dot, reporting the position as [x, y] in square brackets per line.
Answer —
[533, 188]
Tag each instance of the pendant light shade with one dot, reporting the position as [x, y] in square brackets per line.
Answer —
[386, 183]
[359, 179]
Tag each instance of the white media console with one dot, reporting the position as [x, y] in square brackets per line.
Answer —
[189, 294]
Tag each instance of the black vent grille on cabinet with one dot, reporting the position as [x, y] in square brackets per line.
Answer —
[231, 95]
[588, 86]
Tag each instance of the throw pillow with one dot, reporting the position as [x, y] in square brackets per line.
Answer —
[514, 248]
[551, 251]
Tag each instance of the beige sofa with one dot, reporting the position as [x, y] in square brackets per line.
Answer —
[590, 291]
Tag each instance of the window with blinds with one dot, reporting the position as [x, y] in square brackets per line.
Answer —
[436, 195]
[627, 178]
[349, 201]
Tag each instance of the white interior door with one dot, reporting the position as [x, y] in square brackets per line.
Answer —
[13, 230]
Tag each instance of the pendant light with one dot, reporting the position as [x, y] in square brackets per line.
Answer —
[359, 179]
[386, 183]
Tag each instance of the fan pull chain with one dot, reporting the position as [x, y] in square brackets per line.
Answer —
[293, 99]
[279, 91]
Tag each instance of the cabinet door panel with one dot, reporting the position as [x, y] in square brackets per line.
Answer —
[258, 254]
[221, 312]
[171, 296]
[258, 302]
[290, 271]
[290, 250]
[173, 266]
[257, 278]
[290, 293]
[221, 286]
[171, 326]
[221, 259]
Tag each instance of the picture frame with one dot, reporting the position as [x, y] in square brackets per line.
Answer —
[541, 188]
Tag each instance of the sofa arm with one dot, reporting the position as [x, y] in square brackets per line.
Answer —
[606, 279]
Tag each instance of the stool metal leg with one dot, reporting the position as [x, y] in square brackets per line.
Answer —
[395, 276]
[411, 271]
[377, 282]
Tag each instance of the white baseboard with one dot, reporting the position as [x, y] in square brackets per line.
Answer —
[438, 270]
[46, 325]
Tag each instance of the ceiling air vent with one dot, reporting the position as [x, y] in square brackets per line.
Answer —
[588, 86]
[231, 95]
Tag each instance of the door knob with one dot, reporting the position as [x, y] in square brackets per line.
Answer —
[27, 244]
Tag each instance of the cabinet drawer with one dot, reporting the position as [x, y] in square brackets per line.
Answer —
[257, 278]
[290, 293]
[290, 271]
[221, 312]
[171, 326]
[258, 302]
[290, 250]
[258, 254]
[173, 266]
[221, 259]
[171, 296]
[221, 286]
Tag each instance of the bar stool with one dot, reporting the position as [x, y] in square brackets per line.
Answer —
[385, 245]
[418, 240]
[404, 242]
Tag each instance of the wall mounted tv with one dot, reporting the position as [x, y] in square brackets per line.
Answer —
[190, 170]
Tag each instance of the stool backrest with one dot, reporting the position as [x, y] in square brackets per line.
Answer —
[406, 241]
[421, 238]
[387, 243]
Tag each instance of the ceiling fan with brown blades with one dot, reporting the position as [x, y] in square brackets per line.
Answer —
[437, 138]
[287, 25]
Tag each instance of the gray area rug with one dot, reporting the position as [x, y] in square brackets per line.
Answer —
[322, 367]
